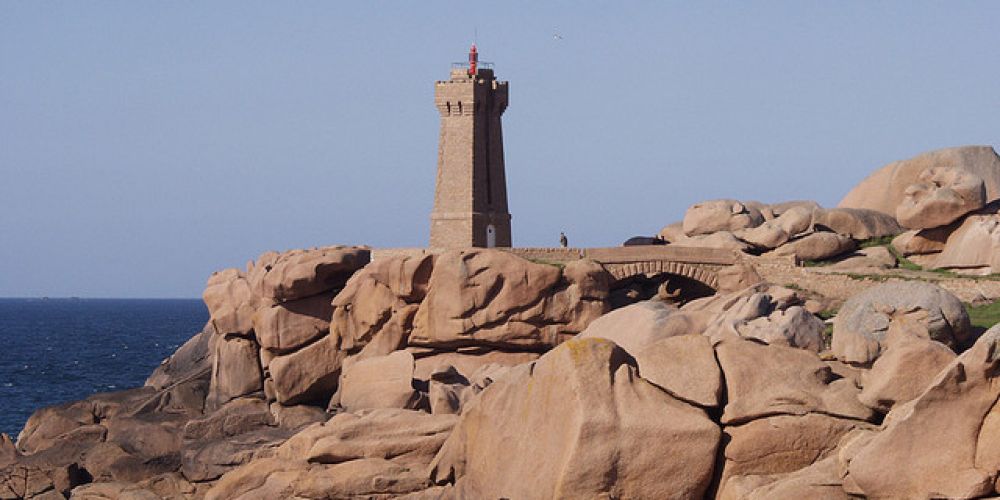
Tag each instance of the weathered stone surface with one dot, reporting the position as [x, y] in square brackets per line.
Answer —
[143, 423]
[165, 486]
[296, 416]
[288, 326]
[720, 215]
[943, 443]
[410, 438]
[448, 392]
[737, 277]
[248, 481]
[468, 361]
[859, 224]
[231, 304]
[796, 219]
[904, 370]
[361, 478]
[780, 209]
[614, 432]
[236, 370]
[378, 304]
[672, 232]
[379, 382]
[817, 246]
[792, 327]
[46, 426]
[125, 436]
[638, 325]
[860, 327]
[820, 480]
[768, 313]
[170, 486]
[975, 243]
[100, 461]
[790, 382]
[922, 241]
[493, 298]
[309, 374]
[8, 451]
[684, 366]
[780, 298]
[39, 482]
[782, 444]
[193, 360]
[152, 442]
[867, 259]
[940, 196]
[234, 435]
[885, 189]
[298, 274]
[769, 235]
[722, 239]
[926, 261]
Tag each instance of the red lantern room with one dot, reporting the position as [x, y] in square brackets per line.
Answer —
[473, 60]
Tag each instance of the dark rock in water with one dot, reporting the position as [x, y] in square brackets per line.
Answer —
[643, 240]
[191, 360]
[125, 436]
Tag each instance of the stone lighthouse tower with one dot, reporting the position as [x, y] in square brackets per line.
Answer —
[470, 199]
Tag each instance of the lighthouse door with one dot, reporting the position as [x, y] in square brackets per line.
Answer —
[491, 236]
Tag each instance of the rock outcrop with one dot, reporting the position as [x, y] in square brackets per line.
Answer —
[478, 374]
[613, 432]
[942, 444]
[720, 215]
[636, 326]
[974, 245]
[886, 188]
[495, 298]
[860, 328]
[940, 196]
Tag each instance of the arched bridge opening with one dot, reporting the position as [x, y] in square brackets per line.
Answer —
[675, 273]
[669, 281]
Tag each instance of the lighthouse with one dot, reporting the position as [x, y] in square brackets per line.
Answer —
[470, 198]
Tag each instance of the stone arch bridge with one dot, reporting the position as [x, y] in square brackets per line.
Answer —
[697, 263]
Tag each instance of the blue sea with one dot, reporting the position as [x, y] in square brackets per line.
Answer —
[59, 350]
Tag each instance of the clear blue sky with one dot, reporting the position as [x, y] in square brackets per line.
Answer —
[145, 144]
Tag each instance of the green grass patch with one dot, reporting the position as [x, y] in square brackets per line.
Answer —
[880, 278]
[816, 263]
[826, 314]
[881, 241]
[902, 262]
[984, 316]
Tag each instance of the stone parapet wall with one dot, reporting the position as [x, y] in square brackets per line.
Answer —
[553, 255]
[388, 253]
[648, 253]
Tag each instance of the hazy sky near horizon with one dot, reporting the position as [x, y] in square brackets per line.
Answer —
[144, 145]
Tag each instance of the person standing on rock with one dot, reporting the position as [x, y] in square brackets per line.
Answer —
[563, 242]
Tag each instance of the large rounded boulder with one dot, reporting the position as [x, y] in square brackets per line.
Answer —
[860, 328]
[940, 196]
[579, 423]
[720, 215]
[885, 189]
